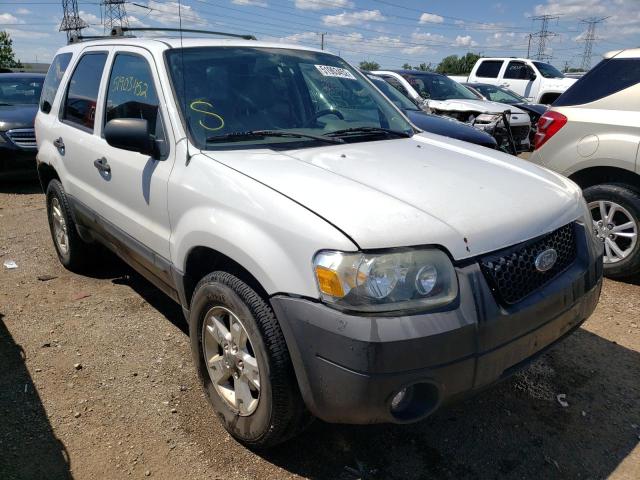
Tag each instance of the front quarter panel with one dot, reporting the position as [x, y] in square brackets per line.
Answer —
[274, 238]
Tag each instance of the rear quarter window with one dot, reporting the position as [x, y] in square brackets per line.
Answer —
[53, 79]
[606, 78]
[489, 69]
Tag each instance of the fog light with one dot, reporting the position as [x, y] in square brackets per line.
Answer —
[397, 400]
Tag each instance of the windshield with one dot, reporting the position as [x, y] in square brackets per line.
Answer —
[437, 87]
[393, 94]
[20, 90]
[548, 71]
[228, 92]
[498, 94]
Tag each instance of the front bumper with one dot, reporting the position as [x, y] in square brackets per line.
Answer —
[350, 367]
[14, 159]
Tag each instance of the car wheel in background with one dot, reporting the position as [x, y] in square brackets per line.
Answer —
[243, 362]
[73, 252]
[615, 210]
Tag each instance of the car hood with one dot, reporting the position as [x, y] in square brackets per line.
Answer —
[450, 127]
[464, 105]
[559, 83]
[536, 108]
[17, 116]
[417, 191]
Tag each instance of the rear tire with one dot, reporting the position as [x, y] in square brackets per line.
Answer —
[73, 252]
[619, 231]
[261, 407]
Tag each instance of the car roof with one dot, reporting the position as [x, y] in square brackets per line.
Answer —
[170, 42]
[414, 72]
[22, 75]
[627, 53]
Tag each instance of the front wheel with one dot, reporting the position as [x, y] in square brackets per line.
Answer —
[243, 362]
[615, 210]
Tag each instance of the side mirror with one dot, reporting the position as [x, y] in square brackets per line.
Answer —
[131, 134]
[46, 107]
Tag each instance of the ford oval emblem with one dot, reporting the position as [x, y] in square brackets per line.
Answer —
[546, 260]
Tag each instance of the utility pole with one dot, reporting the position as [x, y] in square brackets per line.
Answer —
[589, 39]
[115, 15]
[542, 35]
[71, 21]
[322, 34]
[529, 46]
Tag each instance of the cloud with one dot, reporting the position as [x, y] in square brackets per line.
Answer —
[431, 18]
[10, 19]
[464, 41]
[322, 4]
[343, 19]
[166, 13]
[136, 22]
[257, 3]
[23, 11]
[571, 8]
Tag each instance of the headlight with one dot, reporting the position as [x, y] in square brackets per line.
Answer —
[386, 282]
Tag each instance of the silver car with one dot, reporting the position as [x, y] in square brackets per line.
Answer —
[592, 135]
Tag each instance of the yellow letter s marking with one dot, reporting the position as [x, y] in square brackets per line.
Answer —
[215, 115]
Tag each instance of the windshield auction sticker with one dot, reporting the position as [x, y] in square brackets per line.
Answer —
[328, 71]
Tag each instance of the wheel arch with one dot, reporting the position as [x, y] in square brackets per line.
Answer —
[588, 177]
[548, 98]
[46, 173]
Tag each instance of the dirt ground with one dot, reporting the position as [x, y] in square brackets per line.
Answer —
[96, 381]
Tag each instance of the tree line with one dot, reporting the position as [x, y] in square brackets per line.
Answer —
[451, 65]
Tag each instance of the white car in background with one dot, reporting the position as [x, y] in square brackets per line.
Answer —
[538, 82]
[440, 95]
[592, 134]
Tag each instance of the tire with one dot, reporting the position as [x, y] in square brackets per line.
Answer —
[280, 412]
[629, 200]
[74, 253]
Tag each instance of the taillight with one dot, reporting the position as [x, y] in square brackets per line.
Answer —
[548, 125]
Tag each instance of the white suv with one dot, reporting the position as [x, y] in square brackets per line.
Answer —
[592, 135]
[333, 262]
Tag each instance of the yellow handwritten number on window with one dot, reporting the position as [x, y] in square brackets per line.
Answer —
[197, 103]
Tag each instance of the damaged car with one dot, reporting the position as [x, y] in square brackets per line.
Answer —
[438, 94]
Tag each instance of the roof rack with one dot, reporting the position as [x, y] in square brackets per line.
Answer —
[120, 32]
[83, 38]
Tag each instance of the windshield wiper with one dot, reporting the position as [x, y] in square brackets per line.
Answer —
[260, 134]
[358, 130]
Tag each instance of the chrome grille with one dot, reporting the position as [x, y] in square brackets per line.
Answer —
[23, 138]
[511, 272]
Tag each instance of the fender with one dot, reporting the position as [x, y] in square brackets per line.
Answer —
[268, 234]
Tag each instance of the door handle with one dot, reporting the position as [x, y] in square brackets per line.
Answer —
[59, 144]
[102, 165]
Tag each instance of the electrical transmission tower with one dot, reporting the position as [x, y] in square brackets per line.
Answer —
[589, 39]
[71, 21]
[542, 35]
[115, 15]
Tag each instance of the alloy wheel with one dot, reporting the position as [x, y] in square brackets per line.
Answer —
[59, 226]
[616, 228]
[231, 361]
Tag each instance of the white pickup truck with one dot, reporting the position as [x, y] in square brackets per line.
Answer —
[538, 82]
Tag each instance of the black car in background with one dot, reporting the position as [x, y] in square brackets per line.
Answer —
[504, 95]
[19, 97]
[428, 122]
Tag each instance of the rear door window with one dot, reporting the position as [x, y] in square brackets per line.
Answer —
[131, 92]
[606, 78]
[53, 79]
[489, 69]
[517, 71]
[79, 108]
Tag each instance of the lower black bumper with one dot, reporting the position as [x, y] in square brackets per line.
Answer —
[350, 367]
[14, 161]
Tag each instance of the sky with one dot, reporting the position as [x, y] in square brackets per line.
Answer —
[389, 32]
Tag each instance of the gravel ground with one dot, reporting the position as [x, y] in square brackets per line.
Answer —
[96, 381]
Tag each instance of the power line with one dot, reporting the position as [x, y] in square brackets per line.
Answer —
[589, 40]
[542, 35]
